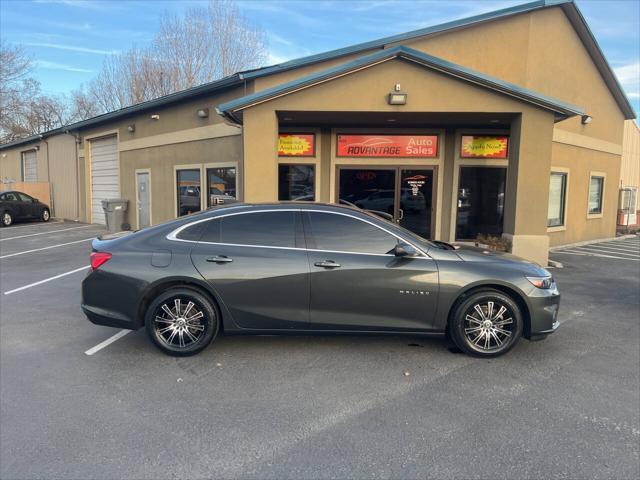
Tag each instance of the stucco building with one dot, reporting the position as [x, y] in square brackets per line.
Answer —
[507, 124]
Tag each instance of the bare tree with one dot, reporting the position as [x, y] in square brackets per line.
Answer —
[205, 44]
[24, 110]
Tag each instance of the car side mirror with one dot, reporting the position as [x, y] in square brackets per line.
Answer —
[404, 250]
[35, 200]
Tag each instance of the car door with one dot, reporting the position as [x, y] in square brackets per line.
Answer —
[257, 264]
[357, 283]
[14, 205]
[28, 207]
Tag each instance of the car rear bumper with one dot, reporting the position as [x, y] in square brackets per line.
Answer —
[111, 300]
[108, 318]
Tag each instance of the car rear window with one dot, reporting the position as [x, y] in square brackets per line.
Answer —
[268, 229]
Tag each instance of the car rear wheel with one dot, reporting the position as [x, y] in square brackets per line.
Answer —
[46, 215]
[487, 323]
[181, 322]
[6, 219]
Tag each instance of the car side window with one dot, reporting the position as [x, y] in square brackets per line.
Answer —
[25, 198]
[10, 197]
[3, 198]
[268, 229]
[192, 232]
[343, 233]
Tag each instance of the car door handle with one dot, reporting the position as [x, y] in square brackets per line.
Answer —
[220, 259]
[327, 264]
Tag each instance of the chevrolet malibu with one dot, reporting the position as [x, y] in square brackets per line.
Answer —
[310, 268]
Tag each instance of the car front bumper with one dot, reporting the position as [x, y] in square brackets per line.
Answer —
[543, 312]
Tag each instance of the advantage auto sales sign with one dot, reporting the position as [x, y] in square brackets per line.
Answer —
[401, 146]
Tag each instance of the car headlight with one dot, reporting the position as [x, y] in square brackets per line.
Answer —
[544, 283]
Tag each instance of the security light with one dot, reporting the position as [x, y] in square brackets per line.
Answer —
[203, 112]
[397, 99]
[131, 128]
[586, 119]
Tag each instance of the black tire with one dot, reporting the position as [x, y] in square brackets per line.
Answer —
[478, 323]
[165, 328]
[45, 216]
[6, 219]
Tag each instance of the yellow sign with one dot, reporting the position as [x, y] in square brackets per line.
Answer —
[491, 147]
[296, 144]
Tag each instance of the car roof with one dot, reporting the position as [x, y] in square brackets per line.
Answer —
[287, 204]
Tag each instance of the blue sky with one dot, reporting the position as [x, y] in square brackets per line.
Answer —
[69, 39]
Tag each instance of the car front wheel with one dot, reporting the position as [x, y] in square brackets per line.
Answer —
[181, 322]
[7, 219]
[487, 323]
[45, 215]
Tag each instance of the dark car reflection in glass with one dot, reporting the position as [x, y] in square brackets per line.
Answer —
[309, 268]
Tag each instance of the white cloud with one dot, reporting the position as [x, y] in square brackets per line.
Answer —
[629, 77]
[60, 66]
[72, 48]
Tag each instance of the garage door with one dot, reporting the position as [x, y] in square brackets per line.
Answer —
[105, 175]
[30, 166]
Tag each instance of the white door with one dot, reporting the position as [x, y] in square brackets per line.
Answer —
[144, 199]
[30, 166]
[105, 175]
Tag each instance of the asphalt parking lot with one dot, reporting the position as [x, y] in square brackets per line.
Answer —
[321, 407]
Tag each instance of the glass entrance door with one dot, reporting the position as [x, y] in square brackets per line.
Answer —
[416, 190]
[480, 202]
[406, 194]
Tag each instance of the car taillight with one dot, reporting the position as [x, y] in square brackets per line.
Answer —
[98, 258]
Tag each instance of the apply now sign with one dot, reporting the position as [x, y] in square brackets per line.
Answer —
[484, 146]
[405, 146]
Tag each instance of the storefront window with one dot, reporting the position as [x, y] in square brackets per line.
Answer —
[221, 183]
[480, 202]
[296, 182]
[557, 193]
[188, 191]
[596, 186]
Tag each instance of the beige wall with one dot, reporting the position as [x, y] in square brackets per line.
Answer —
[162, 162]
[630, 170]
[55, 164]
[580, 163]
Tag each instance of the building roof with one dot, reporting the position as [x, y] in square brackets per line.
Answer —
[207, 88]
[562, 110]
[568, 6]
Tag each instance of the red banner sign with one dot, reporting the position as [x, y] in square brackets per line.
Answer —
[412, 146]
[484, 146]
[296, 144]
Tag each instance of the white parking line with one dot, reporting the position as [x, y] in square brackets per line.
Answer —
[107, 342]
[611, 250]
[44, 233]
[34, 224]
[46, 280]
[46, 248]
[592, 254]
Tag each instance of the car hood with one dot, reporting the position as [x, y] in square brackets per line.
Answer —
[470, 253]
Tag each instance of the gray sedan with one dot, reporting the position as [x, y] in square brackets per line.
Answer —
[310, 268]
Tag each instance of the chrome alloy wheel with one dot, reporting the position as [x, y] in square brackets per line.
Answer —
[45, 215]
[179, 324]
[6, 219]
[488, 326]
